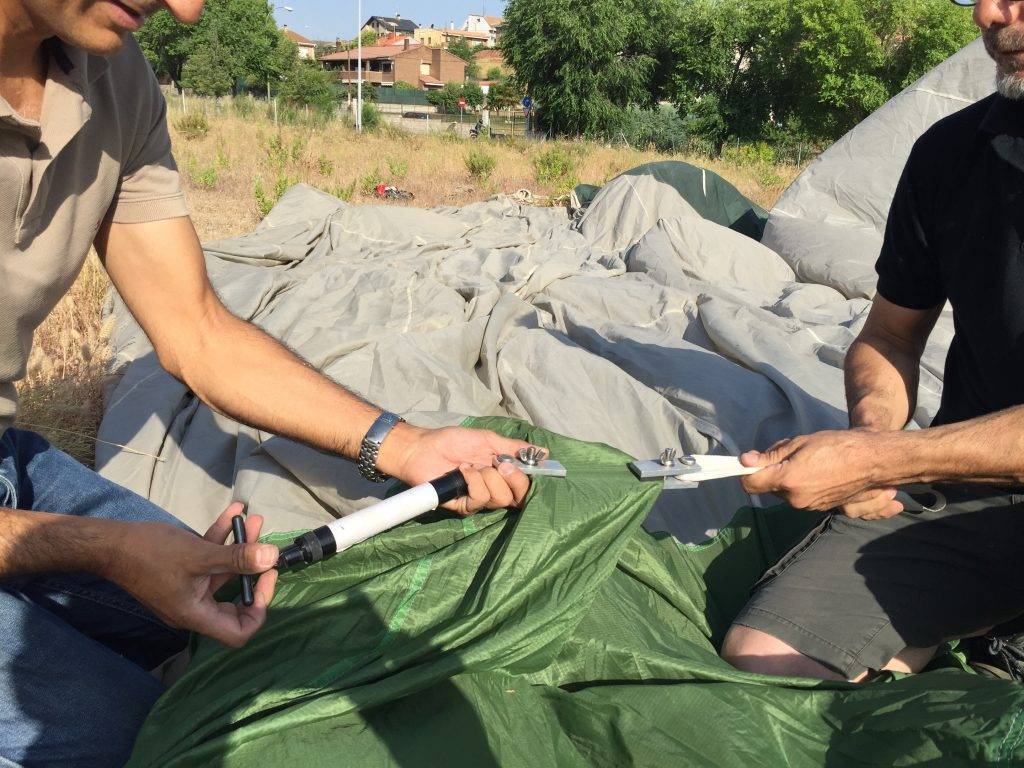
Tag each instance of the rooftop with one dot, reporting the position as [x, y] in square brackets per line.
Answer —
[370, 52]
[295, 37]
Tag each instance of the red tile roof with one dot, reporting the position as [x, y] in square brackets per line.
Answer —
[295, 37]
[370, 52]
[432, 81]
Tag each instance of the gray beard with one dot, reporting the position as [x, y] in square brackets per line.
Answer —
[1011, 86]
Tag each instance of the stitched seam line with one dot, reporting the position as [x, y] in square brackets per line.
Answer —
[419, 577]
[1002, 744]
[1010, 730]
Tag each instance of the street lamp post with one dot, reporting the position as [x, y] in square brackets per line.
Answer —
[359, 64]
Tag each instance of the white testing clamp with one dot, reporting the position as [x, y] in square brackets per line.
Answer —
[688, 471]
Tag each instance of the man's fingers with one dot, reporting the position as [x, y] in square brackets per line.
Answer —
[479, 494]
[873, 505]
[242, 558]
[767, 480]
[517, 480]
[501, 494]
[220, 530]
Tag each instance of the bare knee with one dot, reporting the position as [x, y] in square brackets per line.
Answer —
[752, 650]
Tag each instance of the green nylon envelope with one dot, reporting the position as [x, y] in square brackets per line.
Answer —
[562, 635]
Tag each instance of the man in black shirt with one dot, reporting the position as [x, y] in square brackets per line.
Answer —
[872, 588]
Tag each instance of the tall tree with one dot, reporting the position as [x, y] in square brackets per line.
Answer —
[749, 69]
[461, 48]
[585, 61]
[253, 48]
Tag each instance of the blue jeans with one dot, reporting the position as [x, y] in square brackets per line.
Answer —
[74, 649]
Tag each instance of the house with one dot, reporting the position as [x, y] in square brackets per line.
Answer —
[386, 25]
[385, 65]
[491, 58]
[396, 38]
[430, 36]
[488, 24]
[307, 48]
[476, 39]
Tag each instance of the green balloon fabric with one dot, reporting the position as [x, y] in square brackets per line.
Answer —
[711, 196]
[561, 635]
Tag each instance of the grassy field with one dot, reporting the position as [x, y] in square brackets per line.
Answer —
[237, 168]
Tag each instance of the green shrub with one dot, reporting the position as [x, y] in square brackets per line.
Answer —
[371, 116]
[555, 167]
[223, 161]
[298, 147]
[194, 126]
[345, 193]
[399, 169]
[324, 165]
[277, 155]
[480, 164]
[368, 182]
[242, 105]
[758, 153]
[265, 200]
[206, 178]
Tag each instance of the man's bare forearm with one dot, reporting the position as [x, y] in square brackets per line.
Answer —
[988, 449]
[40, 542]
[881, 383]
[271, 388]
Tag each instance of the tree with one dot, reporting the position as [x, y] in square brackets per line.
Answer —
[446, 99]
[368, 36]
[253, 48]
[504, 93]
[461, 48]
[807, 69]
[207, 71]
[307, 83]
[586, 66]
[494, 74]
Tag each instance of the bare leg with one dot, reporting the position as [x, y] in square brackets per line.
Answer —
[752, 650]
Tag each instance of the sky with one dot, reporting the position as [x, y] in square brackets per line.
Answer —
[328, 19]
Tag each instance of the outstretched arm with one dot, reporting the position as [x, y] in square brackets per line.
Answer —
[237, 369]
[882, 369]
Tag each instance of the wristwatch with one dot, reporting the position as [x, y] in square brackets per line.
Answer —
[369, 450]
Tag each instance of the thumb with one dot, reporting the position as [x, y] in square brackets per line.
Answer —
[501, 444]
[756, 459]
[767, 480]
[242, 558]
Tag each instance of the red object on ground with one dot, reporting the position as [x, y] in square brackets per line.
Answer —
[380, 189]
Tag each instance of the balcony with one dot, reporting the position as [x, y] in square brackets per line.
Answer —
[369, 76]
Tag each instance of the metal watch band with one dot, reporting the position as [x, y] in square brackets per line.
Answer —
[369, 450]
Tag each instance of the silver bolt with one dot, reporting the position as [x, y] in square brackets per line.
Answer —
[532, 456]
[668, 457]
[688, 461]
[504, 458]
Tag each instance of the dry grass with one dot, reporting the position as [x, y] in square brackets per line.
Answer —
[62, 393]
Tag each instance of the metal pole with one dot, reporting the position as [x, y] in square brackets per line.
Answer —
[359, 74]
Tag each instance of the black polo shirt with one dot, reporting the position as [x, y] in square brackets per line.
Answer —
[956, 232]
